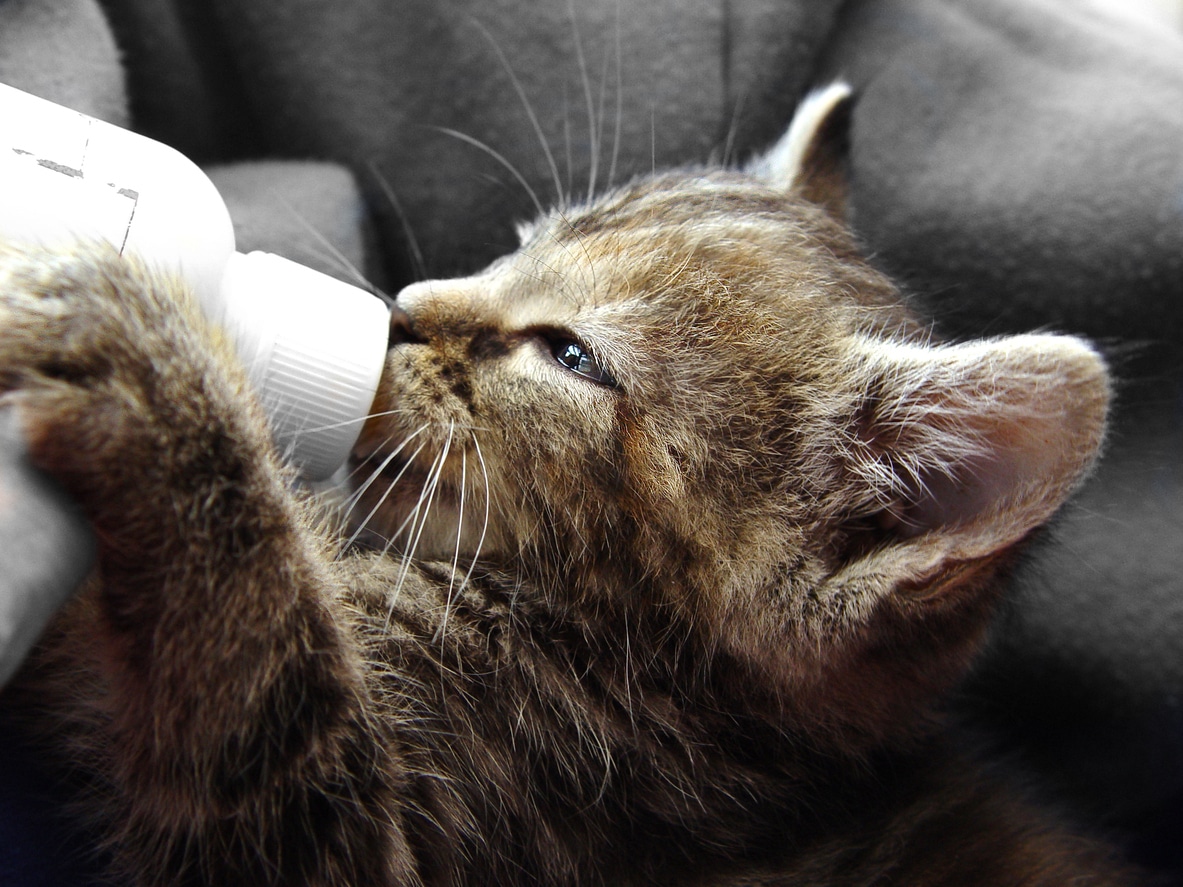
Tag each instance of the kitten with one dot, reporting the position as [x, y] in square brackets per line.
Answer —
[694, 527]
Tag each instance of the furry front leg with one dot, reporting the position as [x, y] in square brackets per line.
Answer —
[230, 719]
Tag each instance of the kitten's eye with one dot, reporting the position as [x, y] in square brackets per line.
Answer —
[579, 360]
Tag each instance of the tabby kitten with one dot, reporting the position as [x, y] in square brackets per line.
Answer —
[676, 527]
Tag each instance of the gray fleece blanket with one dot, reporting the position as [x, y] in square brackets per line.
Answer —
[1016, 163]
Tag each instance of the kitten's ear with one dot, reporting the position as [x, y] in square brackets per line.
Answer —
[812, 157]
[967, 448]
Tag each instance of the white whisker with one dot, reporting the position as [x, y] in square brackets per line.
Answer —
[732, 133]
[421, 511]
[348, 503]
[456, 554]
[413, 533]
[390, 487]
[332, 251]
[500, 158]
[356, 421]
[593, 170]
[653, 139]
[603, 97]
[418, 265]
[569, 152]
[480, 543]
[356, 495]
[619, 104]
[529, 109]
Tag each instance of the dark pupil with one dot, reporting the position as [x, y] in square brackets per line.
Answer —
[573, 357]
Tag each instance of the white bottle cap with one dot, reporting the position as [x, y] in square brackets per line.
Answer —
[313, 347]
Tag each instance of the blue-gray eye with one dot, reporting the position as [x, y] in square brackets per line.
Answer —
[579, 360]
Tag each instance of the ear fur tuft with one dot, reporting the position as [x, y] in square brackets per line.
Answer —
[811, 158]
[967, 448]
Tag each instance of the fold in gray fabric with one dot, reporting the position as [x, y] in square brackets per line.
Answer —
[1020, 163]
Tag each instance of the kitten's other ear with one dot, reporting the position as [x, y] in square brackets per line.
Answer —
[812, 157]
[964, 449]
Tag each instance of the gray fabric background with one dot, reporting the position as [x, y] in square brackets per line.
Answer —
[1018, 164]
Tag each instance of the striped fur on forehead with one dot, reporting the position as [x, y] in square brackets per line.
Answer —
[703, 290]
[758, 240]
[703, 200]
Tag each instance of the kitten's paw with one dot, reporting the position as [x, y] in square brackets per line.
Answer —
[118, 384]
[78, 317]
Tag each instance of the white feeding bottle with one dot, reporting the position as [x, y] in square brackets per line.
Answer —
[312, 345]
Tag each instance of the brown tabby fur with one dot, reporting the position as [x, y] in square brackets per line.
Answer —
[689, 624]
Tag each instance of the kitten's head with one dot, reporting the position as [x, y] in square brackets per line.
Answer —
[693, 394]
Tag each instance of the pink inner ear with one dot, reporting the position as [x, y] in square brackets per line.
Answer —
[986, 440]
[958, 499]
[1017, 457]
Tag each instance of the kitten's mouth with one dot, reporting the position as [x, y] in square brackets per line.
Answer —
[397, 475]
[404, 500]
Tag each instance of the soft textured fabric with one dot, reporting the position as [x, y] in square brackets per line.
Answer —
[375, 85]
[1018, 163]
[309, 212]
[63, 51]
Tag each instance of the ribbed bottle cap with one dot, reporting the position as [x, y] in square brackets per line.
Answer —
[314, 348]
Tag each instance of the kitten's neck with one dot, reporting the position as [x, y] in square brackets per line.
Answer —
[609, 734]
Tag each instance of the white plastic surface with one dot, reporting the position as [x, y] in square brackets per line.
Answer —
[66, 176]
[314, 346]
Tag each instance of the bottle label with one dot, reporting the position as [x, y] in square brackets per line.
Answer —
[51, 172]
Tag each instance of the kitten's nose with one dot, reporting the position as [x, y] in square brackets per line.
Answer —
[401, 328]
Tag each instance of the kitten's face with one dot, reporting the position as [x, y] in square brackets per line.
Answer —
[652, 381]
